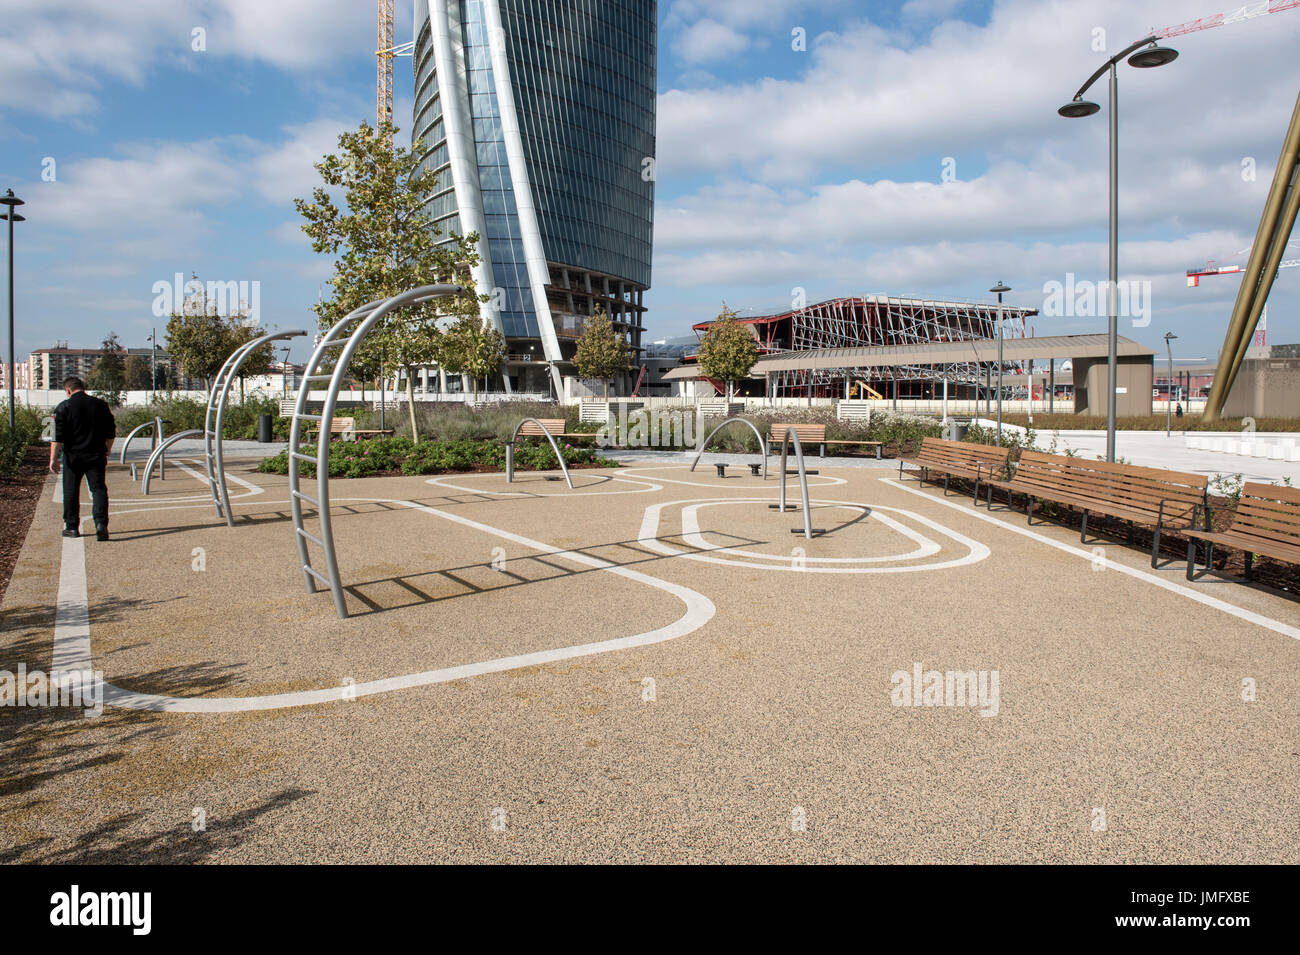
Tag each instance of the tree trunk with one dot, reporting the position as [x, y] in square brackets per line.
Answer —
[410, 405]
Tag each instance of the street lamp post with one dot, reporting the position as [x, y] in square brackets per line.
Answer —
[284, 374]
[1078, 107]
[999, 289]
[10, 201]
[153, 362]
[1169, 383]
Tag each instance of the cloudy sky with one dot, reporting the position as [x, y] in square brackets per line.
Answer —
[831, 146]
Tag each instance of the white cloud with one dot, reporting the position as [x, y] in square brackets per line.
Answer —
[707, 41]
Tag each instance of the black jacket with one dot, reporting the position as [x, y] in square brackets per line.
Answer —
[83, 424]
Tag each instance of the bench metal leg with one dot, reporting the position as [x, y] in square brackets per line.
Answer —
[821, 453]
[878, 450]
[1083, 533]
[976, 496]
[1155, 549]
[1191, 558]
[945, 484]
[1250, 559]
[1132, 529]
[722, 470]
[1029, 509]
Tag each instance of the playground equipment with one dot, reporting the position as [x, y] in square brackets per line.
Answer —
[699, 452]
[214, 419]
[540, 430]
[357, 324]
[156, 435]
[213, 426]
[789, 434]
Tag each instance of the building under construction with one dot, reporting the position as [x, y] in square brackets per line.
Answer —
[877, 320]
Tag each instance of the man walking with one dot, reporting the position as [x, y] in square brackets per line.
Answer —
[84, 427]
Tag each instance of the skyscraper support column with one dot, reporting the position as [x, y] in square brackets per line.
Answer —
[1261, 269]
[448, 58]
[539, 276]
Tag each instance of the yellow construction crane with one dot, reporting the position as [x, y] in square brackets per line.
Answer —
[384, 53]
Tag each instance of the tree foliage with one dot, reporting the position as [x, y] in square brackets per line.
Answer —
[728, 350]
[385, 242]
[136, 373]
[602, 352]
[471, 348]
[107, 378]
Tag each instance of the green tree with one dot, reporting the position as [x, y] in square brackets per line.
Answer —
[198, 339]
[108, 378]
[728, 350]
[602, 352]
[258, 361]
[385, 243]
[471, 347]
[136, 372]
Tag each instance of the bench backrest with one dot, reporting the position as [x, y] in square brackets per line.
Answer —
[553, 426]
[808, 433]
[1128, 485]
[342, 425]
[287, 407]
[940, 451]
[1269, 511]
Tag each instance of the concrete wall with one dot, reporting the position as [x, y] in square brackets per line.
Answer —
[1135, 377]
[1265, 388]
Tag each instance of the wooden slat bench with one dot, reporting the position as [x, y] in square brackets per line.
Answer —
[554, 427]
[344, 426]
[1165, 500]
[810, 434]
[1266, 522]
[958, 459]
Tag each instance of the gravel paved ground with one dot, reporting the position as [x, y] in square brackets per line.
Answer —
[760, 728]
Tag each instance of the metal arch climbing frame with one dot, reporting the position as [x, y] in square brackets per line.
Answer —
[745, 421]
[360, 322]
[215, 417]
[803, 479]
[160, 451]
[510, 451]
[157, 425]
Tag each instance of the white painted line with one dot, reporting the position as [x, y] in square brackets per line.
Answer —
[648, 537]
[1239, 612]
[644, 487]
[814, 480]
[72, 640]
[71, 613]
[691, 534]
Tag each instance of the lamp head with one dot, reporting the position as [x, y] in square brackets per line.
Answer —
[1152, 56]
[1076, 109]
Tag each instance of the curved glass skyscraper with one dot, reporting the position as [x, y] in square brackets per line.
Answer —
[538, 117]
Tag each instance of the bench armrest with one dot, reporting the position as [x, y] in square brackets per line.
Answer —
[1195, 507]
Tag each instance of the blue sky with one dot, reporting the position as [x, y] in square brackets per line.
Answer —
[778, 169]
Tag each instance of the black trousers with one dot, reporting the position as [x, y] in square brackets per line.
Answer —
[92, 469]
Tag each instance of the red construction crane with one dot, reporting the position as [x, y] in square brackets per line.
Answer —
[1248, 12]
[1194, 276]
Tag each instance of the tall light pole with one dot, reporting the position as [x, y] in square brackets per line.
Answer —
[1154, 55]
[999, 289]
[1169, 383]
[284, 373]
[153, 362]
[9, 200]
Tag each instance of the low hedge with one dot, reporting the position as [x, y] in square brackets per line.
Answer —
[352, 459]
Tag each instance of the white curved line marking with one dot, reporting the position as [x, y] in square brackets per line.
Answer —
[691, 535]
[1239, 612]
[647, 537]
[72, 634]
[816, 480]
[646, 488]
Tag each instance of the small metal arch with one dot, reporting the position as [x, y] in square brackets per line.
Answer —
[364, 318]
[157, 425]
[160, 451]
[745, 421]
[803, 479]
[215, 417]
[510, 451]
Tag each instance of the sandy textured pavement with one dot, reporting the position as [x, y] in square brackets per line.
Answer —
[750, 719]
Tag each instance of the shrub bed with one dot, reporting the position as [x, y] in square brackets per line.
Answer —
[387, 456]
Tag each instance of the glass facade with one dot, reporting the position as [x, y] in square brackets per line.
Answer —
[582, 80]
